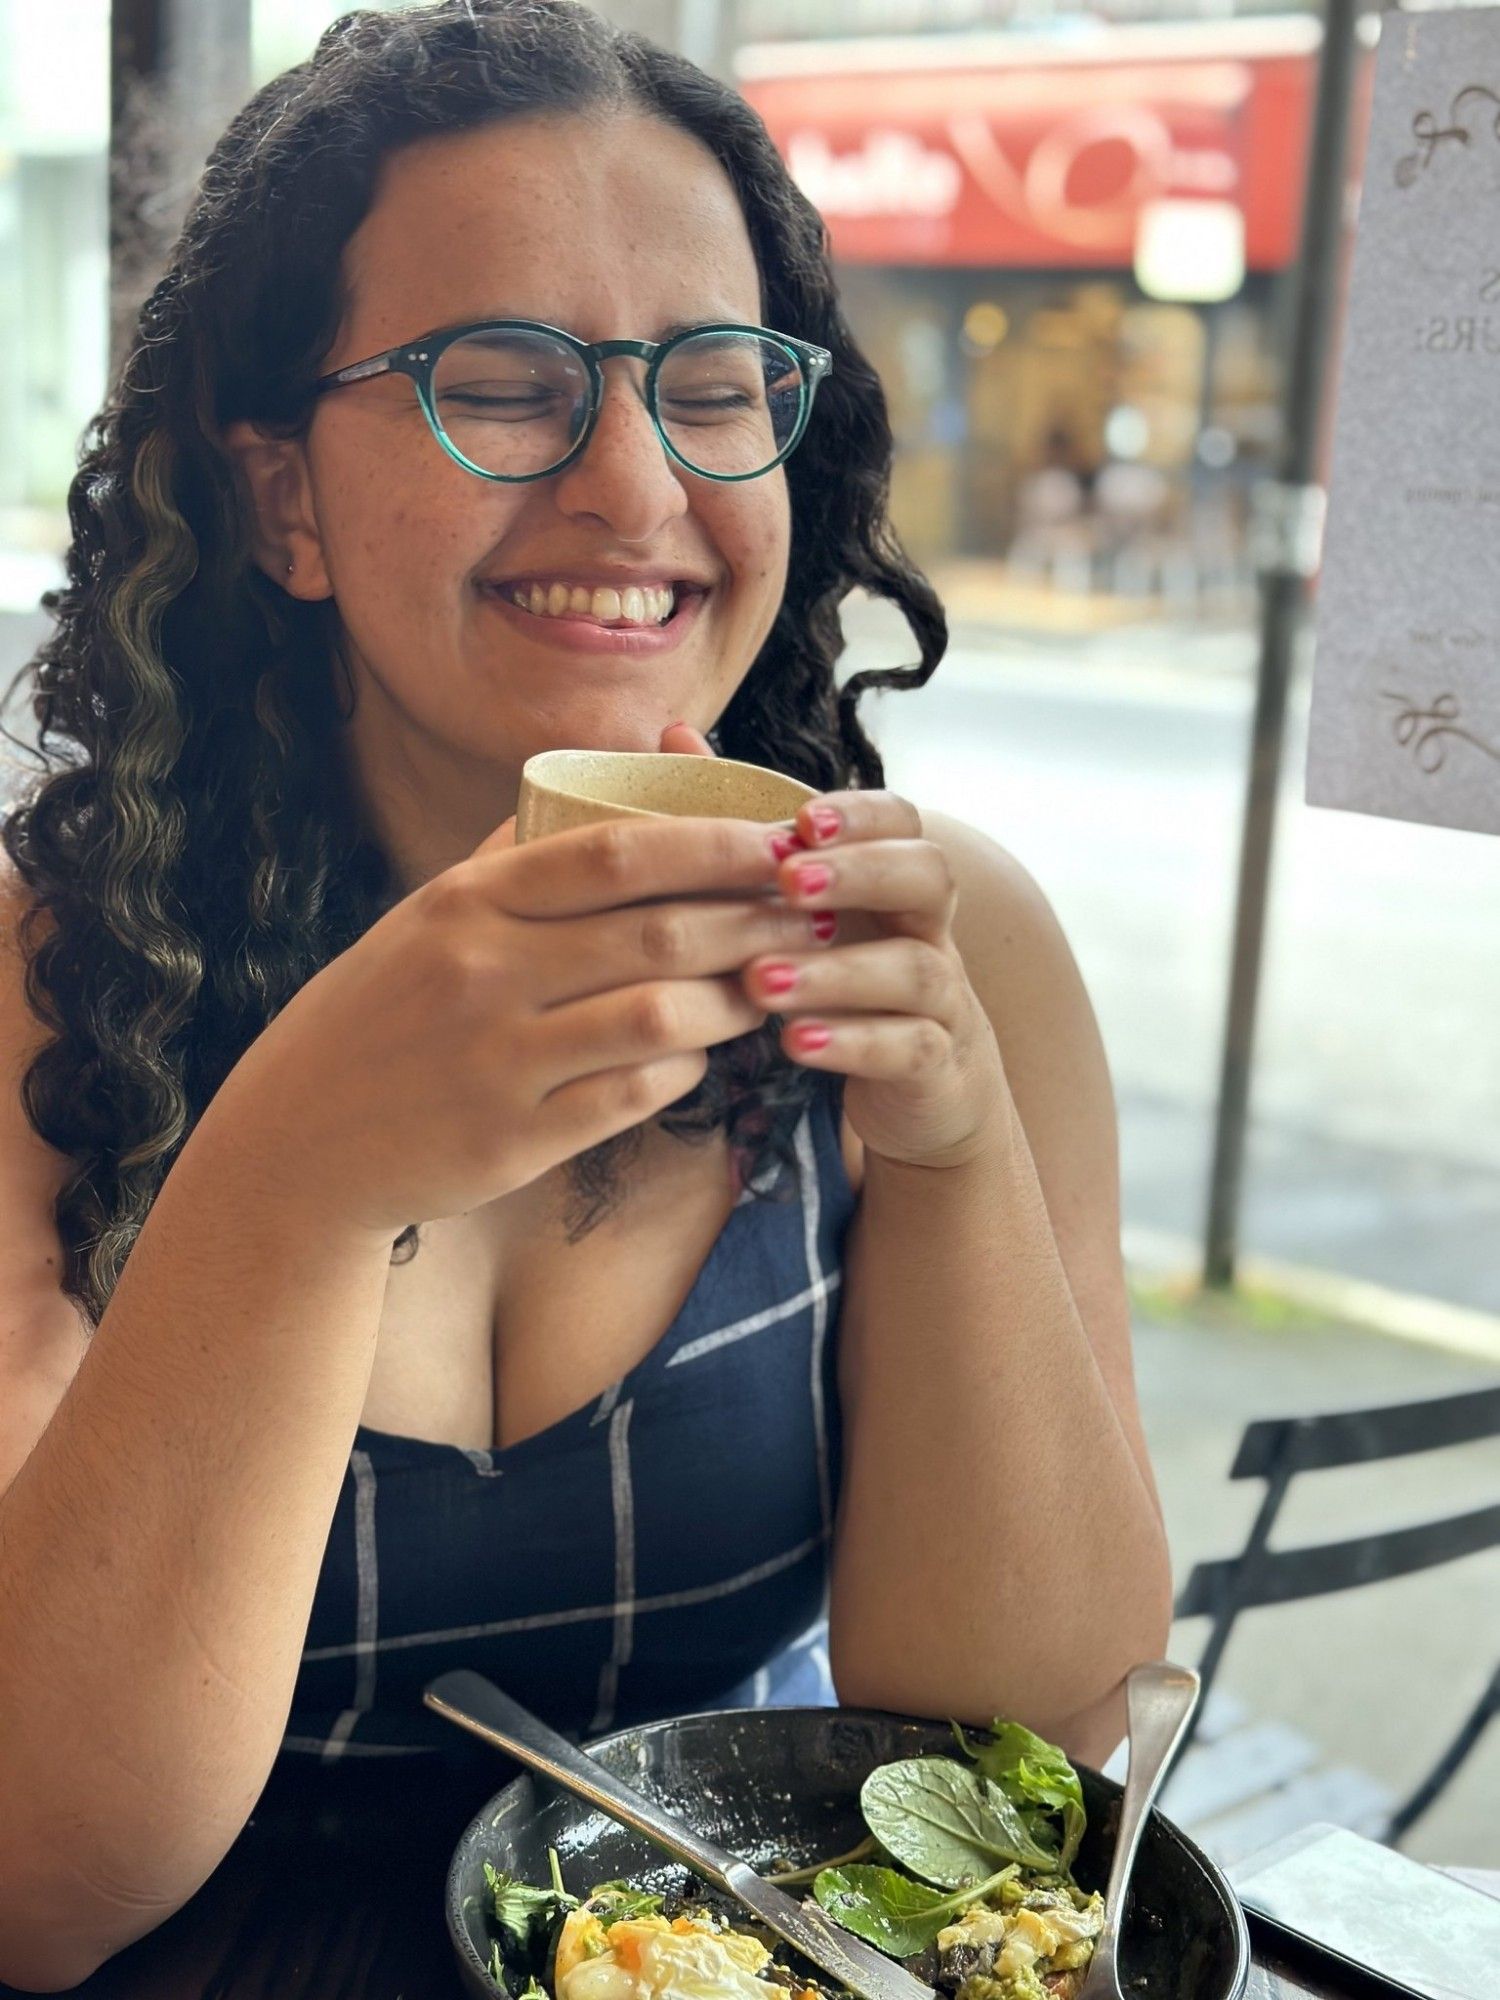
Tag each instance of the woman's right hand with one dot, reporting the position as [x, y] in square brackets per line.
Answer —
[520, 1007]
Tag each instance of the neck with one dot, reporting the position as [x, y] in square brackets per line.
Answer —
[428, 805]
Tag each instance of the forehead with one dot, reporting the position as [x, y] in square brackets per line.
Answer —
[609, 225]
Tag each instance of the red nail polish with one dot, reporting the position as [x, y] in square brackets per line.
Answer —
[825, 822]
[812, 879]
[778, 978]
[824, 924]
[783, 844]
[811, 1035]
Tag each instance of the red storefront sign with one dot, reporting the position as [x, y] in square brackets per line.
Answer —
[1044, 162]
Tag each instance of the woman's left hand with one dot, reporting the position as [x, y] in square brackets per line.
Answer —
[891, 999]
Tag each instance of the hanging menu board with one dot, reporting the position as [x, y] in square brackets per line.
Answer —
[1406, 687]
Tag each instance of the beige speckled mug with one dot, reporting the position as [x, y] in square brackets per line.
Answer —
[561, 789]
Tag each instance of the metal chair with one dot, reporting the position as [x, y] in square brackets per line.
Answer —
[1276, 1450]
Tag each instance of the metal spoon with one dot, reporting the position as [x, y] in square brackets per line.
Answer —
[1159, 1703]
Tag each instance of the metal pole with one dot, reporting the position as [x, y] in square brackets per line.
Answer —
[179, 69]
[1290, 516]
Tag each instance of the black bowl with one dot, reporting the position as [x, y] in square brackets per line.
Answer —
[782, 1785]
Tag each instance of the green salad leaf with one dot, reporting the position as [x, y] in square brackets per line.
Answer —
[946, 1822]
[519, 1909]
[611, 1901]
[891, 1911]
[1038, 1779]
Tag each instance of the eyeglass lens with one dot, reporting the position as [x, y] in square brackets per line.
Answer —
[515, 402]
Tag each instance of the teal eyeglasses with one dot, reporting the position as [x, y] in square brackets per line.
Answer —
[514, 399]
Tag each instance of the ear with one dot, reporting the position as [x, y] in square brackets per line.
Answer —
[285, 537]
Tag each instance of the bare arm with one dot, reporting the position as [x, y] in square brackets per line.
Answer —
[998, 1502]
[160, 1548]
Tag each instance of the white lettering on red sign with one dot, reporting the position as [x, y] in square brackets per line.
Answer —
[892, 173]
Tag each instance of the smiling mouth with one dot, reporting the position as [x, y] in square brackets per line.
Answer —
[634, 608]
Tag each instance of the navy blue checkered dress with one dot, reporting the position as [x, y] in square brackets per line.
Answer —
[661, 1550]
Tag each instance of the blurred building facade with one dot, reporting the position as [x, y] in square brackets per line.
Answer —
[1064, 255]
[994, 174]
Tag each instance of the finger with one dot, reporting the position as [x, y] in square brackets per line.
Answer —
[621, 861]
[501, 840]
[894, 1048]
[857, 815]
[639, 1024]
[657, 941]
[896, 975]
[683, 740]
[909, 880]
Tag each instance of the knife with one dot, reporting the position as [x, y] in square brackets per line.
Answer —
[477, 1705]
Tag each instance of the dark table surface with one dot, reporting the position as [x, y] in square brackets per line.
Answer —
[343, 1900]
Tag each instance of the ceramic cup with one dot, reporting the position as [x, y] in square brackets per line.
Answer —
[561, 789]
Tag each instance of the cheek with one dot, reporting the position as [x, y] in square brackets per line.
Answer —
[761, 548]
[402, 533]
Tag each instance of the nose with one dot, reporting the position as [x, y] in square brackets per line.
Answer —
[623, 477]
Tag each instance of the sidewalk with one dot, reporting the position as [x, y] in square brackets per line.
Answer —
[982, 595]
[1363, 1688]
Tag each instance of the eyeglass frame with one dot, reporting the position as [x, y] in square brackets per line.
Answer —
[418, 360]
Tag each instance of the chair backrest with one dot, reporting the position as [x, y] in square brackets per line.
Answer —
[1355, 1437]
[1276, 1450]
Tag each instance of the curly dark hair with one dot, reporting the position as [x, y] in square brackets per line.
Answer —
[192, 842]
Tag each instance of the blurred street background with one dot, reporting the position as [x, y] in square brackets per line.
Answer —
[1067, 237]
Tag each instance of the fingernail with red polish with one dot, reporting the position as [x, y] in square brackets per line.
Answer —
[824, 924]
[783, 844]
[825, 822]
[811, 1035]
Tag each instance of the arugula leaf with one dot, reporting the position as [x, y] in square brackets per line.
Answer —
[891, 1911]
[947, 1823]
[519, 1909]
[1037, 1777]
[616, 1900]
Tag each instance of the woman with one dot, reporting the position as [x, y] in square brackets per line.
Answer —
[373, 515]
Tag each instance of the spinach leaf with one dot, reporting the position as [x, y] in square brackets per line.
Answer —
[1038, 1778]
[496, 1968]
[891, 1911]
[947, 1823]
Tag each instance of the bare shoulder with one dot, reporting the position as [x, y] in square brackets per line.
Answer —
[43, 1337]
[1006, 930]
[1022, 969]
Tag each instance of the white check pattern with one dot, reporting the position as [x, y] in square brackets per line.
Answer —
[799, 1673]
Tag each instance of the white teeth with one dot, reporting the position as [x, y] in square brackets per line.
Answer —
[635, 605]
